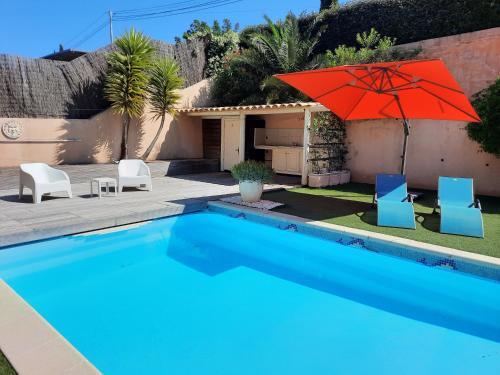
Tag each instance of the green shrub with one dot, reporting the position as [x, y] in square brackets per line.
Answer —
[406, 20]
[250, 170]
[487, 105]
[220, 41]
[372, 48]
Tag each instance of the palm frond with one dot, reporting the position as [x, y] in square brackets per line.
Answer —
[127, 77]
[163, 87]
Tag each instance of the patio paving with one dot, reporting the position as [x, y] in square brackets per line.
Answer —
[22, 221]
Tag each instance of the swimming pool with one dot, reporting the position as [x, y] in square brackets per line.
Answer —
[206, 293]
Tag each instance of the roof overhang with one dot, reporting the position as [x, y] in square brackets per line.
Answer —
[258, 109]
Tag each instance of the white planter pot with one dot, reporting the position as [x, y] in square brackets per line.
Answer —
[251, 191]
[319, 180]
[345, 177]
[334, 178]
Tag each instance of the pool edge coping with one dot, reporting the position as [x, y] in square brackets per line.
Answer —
[31, 344]
[416, 245]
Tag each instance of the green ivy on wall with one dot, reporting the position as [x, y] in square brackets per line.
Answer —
[487, 105]
[328, 147]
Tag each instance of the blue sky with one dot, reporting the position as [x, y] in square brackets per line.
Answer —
[34, 28]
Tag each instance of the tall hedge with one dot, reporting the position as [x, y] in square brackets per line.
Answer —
[326, 4]
[407, 20]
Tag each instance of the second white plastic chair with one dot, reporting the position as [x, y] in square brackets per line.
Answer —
[135, 173]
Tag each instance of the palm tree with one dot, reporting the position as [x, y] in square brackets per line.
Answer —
[286, 49]
[127, 79]
[281, 47]
[163, 87]
[285, 46]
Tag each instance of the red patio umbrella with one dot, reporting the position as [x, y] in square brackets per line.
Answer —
[411, 89]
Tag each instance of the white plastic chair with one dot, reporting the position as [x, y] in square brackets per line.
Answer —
[134, 172]
[42, 179]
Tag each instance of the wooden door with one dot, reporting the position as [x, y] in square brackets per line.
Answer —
[211, 138]
[230, 142]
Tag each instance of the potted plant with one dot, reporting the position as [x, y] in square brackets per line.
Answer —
[251, 175]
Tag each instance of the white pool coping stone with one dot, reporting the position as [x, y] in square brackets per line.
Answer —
[476, 264]
[31, 344]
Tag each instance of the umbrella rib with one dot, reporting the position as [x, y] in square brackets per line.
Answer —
[360, 79]
[330, 91]
[443, 86]
[347, 85]
[450, 104]
[342, 86]
[355, 105]
[375, 76]
[400, 75]
[369, 88]
[382, 80]
[404, 86]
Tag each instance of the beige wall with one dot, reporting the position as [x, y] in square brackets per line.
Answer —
[435, 147]
[97, 140]
[284, 120]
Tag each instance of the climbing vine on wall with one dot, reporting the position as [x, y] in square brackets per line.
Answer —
[487, 105]
[328, 147]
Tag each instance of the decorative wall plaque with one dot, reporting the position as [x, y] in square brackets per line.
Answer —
[12, 129]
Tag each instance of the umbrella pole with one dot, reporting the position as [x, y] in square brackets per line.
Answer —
[406, 127]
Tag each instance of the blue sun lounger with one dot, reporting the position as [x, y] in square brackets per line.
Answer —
[394, 204]
[460, 213]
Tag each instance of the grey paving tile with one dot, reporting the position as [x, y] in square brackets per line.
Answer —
[22, 221]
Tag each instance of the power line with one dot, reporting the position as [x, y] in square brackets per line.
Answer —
[154, 8]
[84, 30]
[137, 14]
[176, 11]
[91, 34]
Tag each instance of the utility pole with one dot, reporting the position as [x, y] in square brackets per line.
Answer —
[110, 13]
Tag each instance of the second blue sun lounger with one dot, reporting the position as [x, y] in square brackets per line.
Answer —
[460, 213]
[394, 204]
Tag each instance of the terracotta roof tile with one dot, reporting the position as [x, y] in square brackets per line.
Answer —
[248, 107]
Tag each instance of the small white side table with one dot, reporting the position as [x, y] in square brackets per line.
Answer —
[101, 181]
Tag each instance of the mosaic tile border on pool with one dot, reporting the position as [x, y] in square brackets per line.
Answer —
[428, 255]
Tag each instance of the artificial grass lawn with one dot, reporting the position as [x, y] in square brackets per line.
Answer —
[5, 367]
[351, 205]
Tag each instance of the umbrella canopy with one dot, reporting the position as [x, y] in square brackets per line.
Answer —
[412, 89]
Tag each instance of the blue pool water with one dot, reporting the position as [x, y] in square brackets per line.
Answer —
[209, 294]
